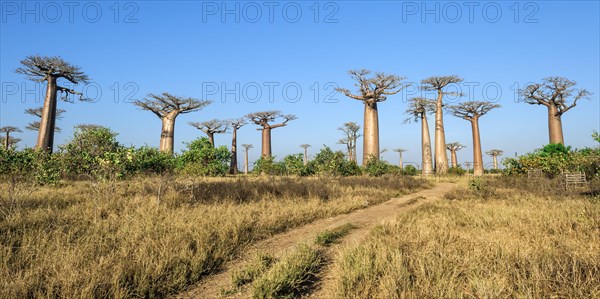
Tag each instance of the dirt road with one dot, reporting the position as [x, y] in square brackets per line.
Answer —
[365, 219]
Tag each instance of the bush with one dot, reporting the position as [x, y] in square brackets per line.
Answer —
[202, 158]
[267, 165]
[456, 170]
[376, 167]
[409, 170]
[89, 144]
[328, 162]
[294, 165]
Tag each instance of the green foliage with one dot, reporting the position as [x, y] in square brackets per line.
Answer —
[29, 164]
[294, 165]
[330, 163]
[596, 136]
[268, 166]
[456, 170]
[376, 167]
[201, 158]
[149, 160]
[88, 146]
[409, 170]
[555, 158]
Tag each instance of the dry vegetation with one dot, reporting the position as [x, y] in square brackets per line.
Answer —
[156, 236]
[486, 241]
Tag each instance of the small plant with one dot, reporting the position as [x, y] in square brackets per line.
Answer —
[456, 170]
[291, 276]
[261, 263]
[375, 167]
[329, 237]
[410, 170]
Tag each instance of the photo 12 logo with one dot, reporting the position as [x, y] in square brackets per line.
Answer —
[471, 11]
[254, 92]
[118, 92]
[68, 11]
[269, 11]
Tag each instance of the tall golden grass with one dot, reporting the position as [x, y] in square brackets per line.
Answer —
[510, 244]
[156, 236]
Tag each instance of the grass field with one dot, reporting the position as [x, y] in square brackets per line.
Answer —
[489, 241]
[156, 236]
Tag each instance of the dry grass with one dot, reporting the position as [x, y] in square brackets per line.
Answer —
[512, 244]
[157, 236]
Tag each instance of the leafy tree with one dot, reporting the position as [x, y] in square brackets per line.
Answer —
[89, 143]
[201, 158]
[328, 162]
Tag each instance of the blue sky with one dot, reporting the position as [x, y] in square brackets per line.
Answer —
[186, 47]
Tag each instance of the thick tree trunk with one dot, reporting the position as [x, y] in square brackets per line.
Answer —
[266, 142]
[400, 163]
[354, 152]
[211, 138]
[45, 139]
[371, 133]
[427, 166]
[246, 162]
[7, 141]
[441, 157]
[495, 162]
[233, 169]
[305, 156]
[555, 125]
[477, 154]
[167, 134]
[454, 160]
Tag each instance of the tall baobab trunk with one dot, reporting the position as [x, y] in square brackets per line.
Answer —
[454, 160]
[305, 156]
[266, 142]
[233, 169]
[246, 162]
[495, 161]
[441, 157]
[555, 125]
[426, 147]
[45, 139]
[401, 164]
[167, 135]
[371, 133]
[211, 139]
[477, 154]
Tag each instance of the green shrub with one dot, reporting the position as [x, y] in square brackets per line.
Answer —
[330, 163]
[456, 170]
[376, 167]
[410, 170]
[267, 165]
[294, 165]
[202, 158]
[89, 144]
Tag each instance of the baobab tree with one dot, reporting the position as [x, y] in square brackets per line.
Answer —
[472, 111]
[418, 109]
[305, 147]
[235, 124]
[495, 153]
[553, 93]
[167, 107]
[372, 90]
[453, 148]
[9, 140]
[263, 119]
[400, 151]
[246, 147]
[351, 135]
[211, 127]
[37, 112]
[438, 84]
[50, 70]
